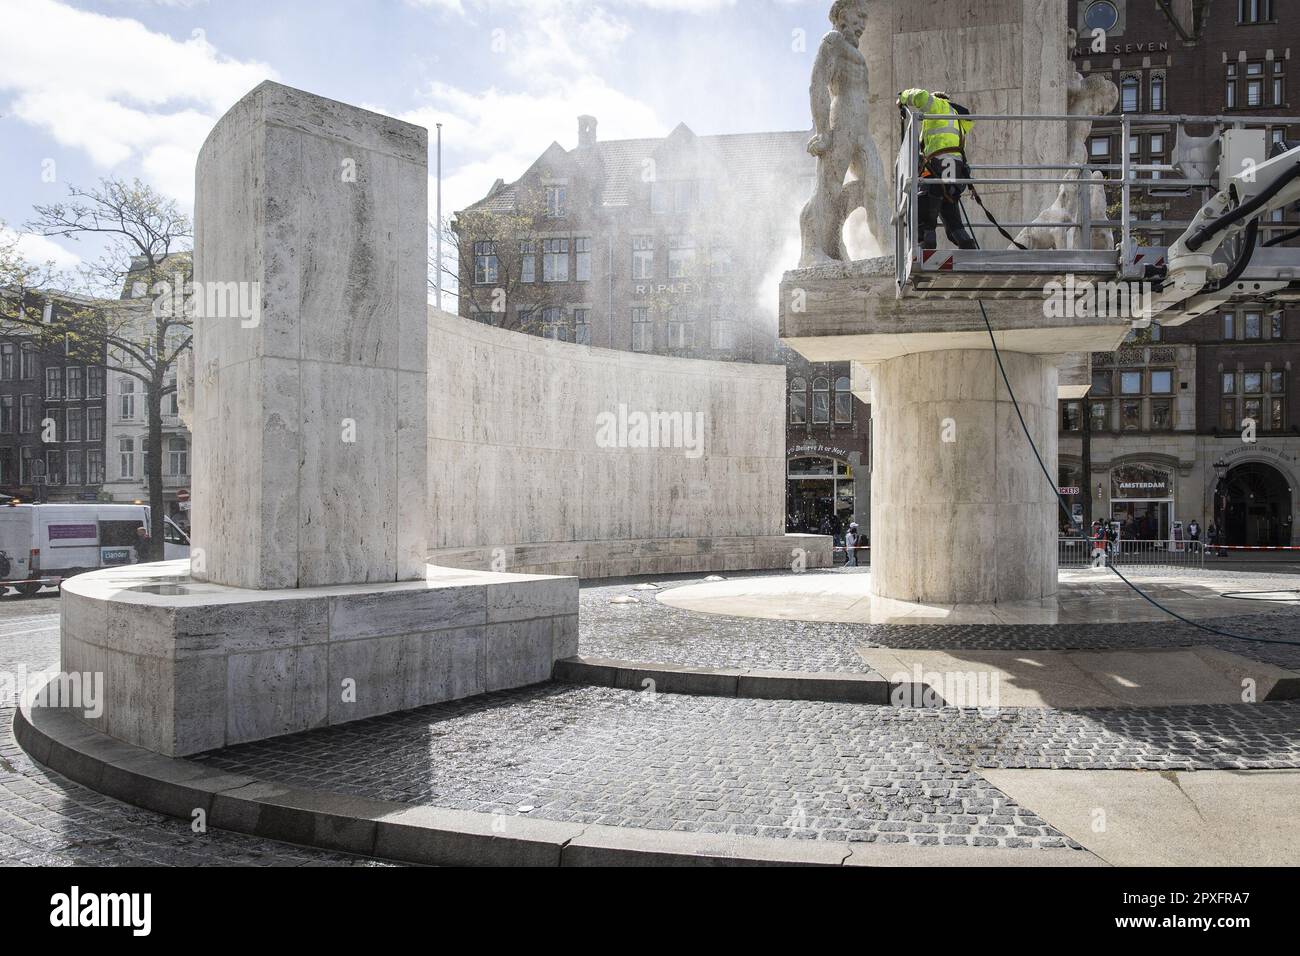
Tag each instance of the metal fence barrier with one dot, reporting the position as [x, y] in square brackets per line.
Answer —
[1132, 552]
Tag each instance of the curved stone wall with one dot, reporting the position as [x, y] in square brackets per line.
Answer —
[538, 463]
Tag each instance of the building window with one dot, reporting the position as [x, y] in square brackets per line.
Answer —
[798, 401]
[95, 466]
[1230, 92]
[821, 401]
[28, 353]
[643, 338]
[1130, 416]
[1276, 414]
[1229, 386]
[126, 457]
[1162, 382]
[582, 259]
[1252, 383]
[582, 326]
[126, 399]
[75, 475]
[719, 261]
[555, 260]
[95, 381]
[1254, 11]
[1253, 326]
[1130, 383]
[7, 352]
[557, 202]
[54, 467]
[94, 424]
[1130, 94]
[661, 198]
[681, 257]
[1100, 412]
[53, 384]
[6, 414]
[527, 261]
[643, 257]
[27, 414]
[75, 381]
[722, 331]
[1277, 382]
[486, 264]
[1157, 92]
[1275, 326]
[178, 456]
[25, 464]
[1102, 383]
[843, 401]
[1162, 414]
[1071, 416]
[681, 329]
[1229, 327]
[553, 325]
[1099, 147]
[75, 424]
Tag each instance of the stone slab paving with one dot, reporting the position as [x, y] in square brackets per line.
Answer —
[651, 631]
[47, 820]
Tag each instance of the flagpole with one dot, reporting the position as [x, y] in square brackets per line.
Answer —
[437, 269]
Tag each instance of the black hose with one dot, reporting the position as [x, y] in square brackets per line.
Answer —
[1285, 237]
[1244, 211]
[1243, 260]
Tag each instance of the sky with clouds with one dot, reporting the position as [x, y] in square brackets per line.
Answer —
[130, 88]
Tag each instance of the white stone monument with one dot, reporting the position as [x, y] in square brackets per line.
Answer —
[961, 512]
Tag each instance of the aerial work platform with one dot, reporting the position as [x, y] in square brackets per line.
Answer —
[1108, 223]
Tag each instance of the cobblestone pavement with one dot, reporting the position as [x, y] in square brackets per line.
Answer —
[773, 768]
[651, 631]
[792, 769]
[47, 820]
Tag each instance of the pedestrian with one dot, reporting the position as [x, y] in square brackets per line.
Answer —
[1194, 536]
[851, 546]
[141, 544]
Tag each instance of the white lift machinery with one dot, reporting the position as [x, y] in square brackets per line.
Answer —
[1232, 249]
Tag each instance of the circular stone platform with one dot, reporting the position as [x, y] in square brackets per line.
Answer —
[1086, 596]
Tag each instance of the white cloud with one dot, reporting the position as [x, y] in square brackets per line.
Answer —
[39, 250]
[119, 91]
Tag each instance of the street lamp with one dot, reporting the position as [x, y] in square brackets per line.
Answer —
[1220, 505]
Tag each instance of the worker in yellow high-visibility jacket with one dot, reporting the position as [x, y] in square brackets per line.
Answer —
[943, 158]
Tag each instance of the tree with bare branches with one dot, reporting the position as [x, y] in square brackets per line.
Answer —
[134, 319]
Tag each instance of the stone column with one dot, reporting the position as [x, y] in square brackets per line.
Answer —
[961, 512]
[309, 402]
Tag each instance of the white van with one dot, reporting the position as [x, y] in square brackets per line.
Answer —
[40, 545]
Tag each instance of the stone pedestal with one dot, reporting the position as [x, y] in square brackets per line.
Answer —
[960, 510]
[309, 416]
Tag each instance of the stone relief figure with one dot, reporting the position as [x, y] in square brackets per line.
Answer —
[1093, 95]
[1051, 229]
[842, 142]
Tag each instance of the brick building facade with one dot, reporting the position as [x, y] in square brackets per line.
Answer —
[675, 246]
[1165, 415]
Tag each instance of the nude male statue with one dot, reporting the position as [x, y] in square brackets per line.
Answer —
[842, 142]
